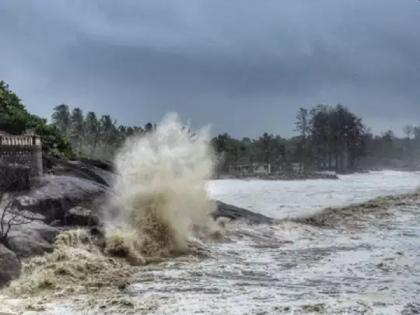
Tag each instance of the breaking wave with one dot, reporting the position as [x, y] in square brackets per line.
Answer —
[360, 214]
[161, 209]
[76, 265]
[162, 202]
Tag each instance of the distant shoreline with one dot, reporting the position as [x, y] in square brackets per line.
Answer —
[308, 175]
[285, 177]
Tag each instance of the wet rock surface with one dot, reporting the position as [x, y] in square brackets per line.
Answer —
[9, 265]
[235, 213]
[55, 195]
[53, 202]
[81, 217]
[68, 184]
[35, 238]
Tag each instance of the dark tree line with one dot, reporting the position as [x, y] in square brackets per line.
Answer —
[90, 135]
[266, 149]
[332, 138]
[329, 138]
[389, 151]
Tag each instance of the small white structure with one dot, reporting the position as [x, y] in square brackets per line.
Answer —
[261, 168]
[251, 169]
[297, 167]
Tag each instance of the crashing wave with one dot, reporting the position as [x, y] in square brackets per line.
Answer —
[162, 200]
[358, 215]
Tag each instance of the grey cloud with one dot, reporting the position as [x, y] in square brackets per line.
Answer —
[244, 67]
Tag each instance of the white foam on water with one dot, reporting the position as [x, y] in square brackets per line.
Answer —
[282, 199]
[291, 267]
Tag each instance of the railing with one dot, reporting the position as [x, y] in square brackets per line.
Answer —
[20, 140]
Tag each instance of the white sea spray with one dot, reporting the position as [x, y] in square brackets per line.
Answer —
[161, 196]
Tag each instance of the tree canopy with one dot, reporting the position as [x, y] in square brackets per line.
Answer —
[15, 119]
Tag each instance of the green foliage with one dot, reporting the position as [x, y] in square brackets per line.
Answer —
[61, 118]
[76, 129]
[337, 136]
[330, 137]
[91, 136]
[53, 141]
[13, 115]
[266, 149]
[15, 119]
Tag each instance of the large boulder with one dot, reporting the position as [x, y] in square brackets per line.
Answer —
[69, 184]
[235, 213]
[32, 239]
[98, 171]
[9, 265]
[54, 195]
[81, 216]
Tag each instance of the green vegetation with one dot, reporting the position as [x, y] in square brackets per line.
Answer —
[91, 136]
[329, 138]
[15, 119]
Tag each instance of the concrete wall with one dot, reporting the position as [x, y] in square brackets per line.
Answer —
[22, 151]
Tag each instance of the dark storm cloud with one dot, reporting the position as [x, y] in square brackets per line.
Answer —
[243, 66]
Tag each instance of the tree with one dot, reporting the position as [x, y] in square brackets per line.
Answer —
[338, 136]
[61, 118]
[303, 127]
[408, 131]
[228, 150]
[76, 129]
[11, 217]
[53, 142]
[416, 133]
[13, 116]
[90, 136]
[92, 129]
[108, 136]
[15, 119]
[302, 122]
[270, 149]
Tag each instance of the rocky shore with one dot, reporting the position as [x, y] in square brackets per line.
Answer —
[71, 195]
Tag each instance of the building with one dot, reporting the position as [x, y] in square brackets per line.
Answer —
[250, 169]
[20, 159]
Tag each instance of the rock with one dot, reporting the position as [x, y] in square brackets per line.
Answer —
[32, 239]
[54, 195]
[80, 216]
[9, 265]
[101, 172]
[235, 213]
[56, 223]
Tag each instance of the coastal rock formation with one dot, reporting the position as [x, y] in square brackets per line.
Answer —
[234, 213]
[80, 216]
[54, 195]
[71, 195]
[32, 239]
[9, 265]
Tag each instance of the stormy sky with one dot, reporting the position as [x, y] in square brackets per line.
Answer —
[242, 66]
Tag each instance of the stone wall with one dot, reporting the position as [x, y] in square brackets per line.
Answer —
[21, 152]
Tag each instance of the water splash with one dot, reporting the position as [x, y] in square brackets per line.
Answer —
[162, 200]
